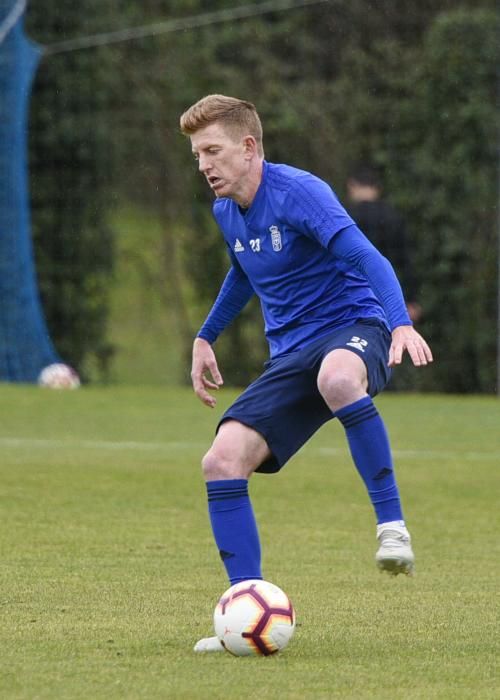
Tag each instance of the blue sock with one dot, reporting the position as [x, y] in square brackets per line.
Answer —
[234, 528]
[371, 452]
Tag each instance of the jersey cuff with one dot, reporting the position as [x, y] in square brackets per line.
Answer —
[208, 335]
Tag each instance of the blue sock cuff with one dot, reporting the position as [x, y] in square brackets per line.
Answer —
[226, 488]
[357, 412]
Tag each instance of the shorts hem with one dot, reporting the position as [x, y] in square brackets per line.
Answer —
[272, 465]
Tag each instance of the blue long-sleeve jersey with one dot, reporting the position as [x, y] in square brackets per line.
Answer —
[300, 252]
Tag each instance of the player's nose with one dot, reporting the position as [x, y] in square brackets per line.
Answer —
[203, 164]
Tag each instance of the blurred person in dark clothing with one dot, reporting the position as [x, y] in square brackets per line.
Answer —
[385, 228]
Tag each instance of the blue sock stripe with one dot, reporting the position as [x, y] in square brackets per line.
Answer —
[216, 488]
[358, 416]
[356, 420]
[211, 490]
[227, 496]
[226, 484]
[227, 489]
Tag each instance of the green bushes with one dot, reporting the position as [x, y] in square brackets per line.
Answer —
[412, 88]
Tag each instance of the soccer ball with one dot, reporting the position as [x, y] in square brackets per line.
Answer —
[58, 376]
[254, 617]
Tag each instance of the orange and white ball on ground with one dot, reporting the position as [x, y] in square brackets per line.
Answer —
[59, 376]
[254, 617]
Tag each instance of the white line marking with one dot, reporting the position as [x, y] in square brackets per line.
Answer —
[17, 442]
[97, 444]
[425, 454]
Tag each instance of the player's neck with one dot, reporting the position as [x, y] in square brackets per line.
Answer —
[250, 185]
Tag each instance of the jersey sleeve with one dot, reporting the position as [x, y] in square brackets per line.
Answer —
[235, 292]
[314, 209]
[352, 246]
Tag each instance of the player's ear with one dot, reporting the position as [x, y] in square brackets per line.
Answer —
[250, 146]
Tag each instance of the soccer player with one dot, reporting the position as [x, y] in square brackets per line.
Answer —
[335, 320]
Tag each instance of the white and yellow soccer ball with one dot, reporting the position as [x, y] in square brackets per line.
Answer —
[254, 617]
[58, 376]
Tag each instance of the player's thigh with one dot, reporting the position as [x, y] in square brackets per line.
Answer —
[342, 378]
[237, 451]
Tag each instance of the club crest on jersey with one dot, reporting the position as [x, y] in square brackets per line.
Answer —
[276, 238]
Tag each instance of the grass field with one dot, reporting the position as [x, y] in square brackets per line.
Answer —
[109, 574]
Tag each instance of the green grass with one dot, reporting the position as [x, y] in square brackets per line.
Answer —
[109, 574]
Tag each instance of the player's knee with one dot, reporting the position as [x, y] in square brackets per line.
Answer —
[339, 388]
[212, 466]
[217, 465]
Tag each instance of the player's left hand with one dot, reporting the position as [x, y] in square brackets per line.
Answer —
[407, 338]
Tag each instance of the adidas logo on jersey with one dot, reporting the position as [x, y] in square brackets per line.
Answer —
[238, 248]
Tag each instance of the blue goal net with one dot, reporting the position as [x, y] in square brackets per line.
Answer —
[25, 346]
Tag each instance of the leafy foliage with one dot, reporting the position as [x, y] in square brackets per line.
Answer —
[408, 86]
[454, 196]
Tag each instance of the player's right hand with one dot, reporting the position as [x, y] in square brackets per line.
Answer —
[205, 374]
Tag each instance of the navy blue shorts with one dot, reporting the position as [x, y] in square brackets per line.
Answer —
[284, 404]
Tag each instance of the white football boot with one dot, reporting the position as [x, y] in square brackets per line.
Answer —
[395, 554]
[208, 645]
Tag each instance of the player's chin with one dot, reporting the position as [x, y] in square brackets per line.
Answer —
[221, 189]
